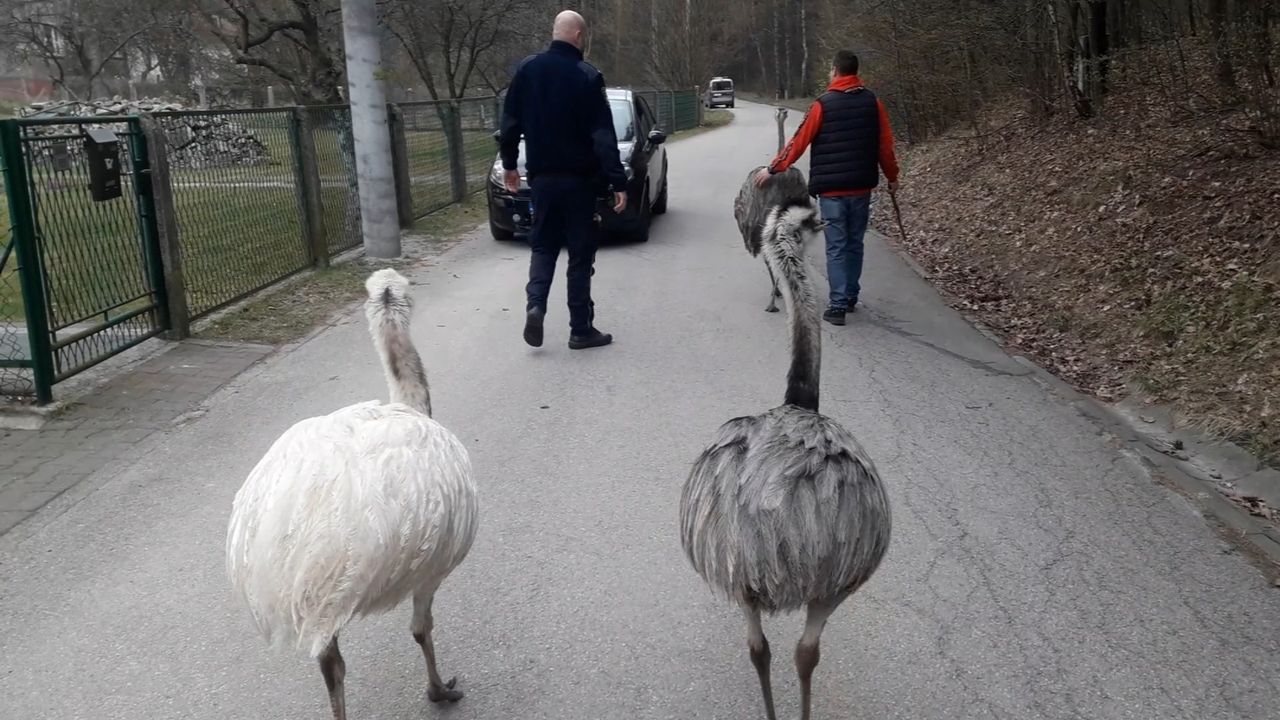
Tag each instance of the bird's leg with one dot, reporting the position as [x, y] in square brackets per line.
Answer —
[334, 670]
[775, 293]
[758, 646]
[807, 654]
[437, 691]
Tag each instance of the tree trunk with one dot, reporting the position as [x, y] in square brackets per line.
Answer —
[378, 214]
[1065, 60]
[1255, 19]
[764, 64]
[1118, 23]
[654, 29]
[1038, 82]
[906, 86]
[788, 63]
[805, 80]
[1224, 70]
[970, 93]
[1100, 47]
[777, 64]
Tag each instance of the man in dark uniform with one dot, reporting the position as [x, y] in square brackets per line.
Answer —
[557, 102]
[851, 142]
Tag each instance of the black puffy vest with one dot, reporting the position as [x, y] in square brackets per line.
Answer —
[845, 153]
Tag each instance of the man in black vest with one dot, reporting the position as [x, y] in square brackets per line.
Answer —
[557, 103]
[852, 142]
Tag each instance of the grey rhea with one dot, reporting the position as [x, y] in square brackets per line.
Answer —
[754, 203]
[785, 510]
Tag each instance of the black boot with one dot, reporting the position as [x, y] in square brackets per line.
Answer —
[533, 326]
[835, 316]
[592, 338]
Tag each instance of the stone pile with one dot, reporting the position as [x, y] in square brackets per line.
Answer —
[196, 141]
[210, 141]
[97, 108]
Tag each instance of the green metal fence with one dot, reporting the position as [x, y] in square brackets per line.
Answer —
[426, 156]
[17, 376]
[448, 150]
[677, 110]
[479, 119]
[239, 220]
[88, 266]
[336, 159]
[686, 110]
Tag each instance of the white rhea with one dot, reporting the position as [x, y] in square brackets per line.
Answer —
[350, 513]
[754, 204]
[785, 510]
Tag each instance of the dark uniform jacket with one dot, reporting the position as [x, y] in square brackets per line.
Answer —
[557, 102]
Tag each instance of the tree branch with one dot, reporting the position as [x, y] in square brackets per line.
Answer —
[102, 62]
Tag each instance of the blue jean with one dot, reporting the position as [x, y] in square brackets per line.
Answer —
[846, 219]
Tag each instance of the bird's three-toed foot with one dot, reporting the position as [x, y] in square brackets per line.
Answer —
[444, 693]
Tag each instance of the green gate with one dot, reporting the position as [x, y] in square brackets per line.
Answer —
[82, 247]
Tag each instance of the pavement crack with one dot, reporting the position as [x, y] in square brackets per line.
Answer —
[891, 326]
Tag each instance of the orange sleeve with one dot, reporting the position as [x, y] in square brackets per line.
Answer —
[805, 134]
[888, 159]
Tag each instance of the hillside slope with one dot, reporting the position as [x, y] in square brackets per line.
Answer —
[1136, 252]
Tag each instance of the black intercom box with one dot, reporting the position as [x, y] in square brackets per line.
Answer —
[102, 150]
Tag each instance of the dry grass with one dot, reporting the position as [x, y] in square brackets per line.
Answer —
[290, 311]
[711, 120]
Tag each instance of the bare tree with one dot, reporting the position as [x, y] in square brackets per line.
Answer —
[80, 43]
[450, 42]
[805, 80]
[297, 41]
[692, 40]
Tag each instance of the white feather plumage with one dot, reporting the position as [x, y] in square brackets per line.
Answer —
[350, 513]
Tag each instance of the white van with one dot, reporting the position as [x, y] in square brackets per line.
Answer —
[719, 93]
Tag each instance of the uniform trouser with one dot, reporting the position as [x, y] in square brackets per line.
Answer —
[563, 216]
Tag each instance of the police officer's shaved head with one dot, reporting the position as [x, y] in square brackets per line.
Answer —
[570, 27]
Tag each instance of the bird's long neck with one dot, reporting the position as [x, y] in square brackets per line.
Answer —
[406, 378]
[786, 260]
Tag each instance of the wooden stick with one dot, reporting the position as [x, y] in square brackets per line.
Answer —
[897, 214]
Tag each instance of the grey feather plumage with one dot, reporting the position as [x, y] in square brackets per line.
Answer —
[754, 203]
[785, 510]
[751, 207]
[782, 509]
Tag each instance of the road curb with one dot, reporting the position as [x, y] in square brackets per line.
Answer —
[1179, 474]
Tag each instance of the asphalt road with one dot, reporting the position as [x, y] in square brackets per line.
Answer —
[1036, 570]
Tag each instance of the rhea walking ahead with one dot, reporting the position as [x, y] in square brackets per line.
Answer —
[755, 200]
[351, 513]
[785, 510]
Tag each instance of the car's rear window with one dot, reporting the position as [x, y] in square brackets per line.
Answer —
[722, 85]
[622, 120]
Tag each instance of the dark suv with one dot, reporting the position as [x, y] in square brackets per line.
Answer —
[644, 156]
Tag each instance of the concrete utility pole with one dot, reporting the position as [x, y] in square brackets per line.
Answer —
[378, 217]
